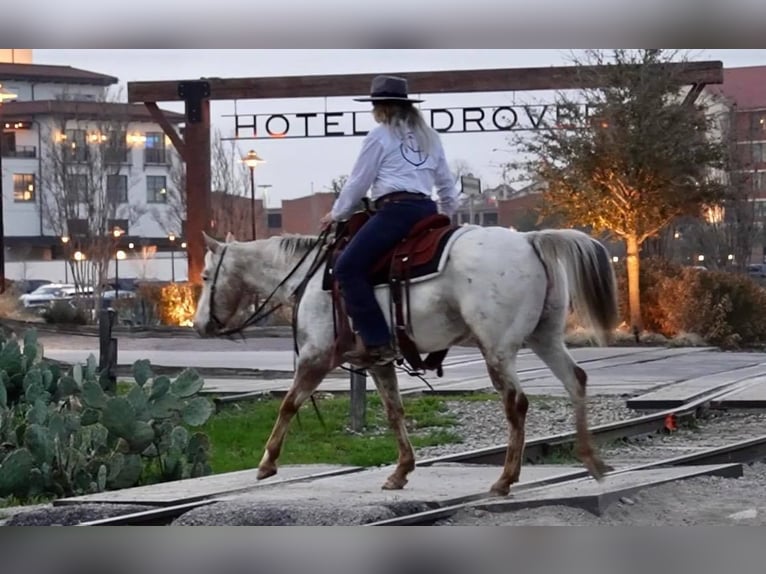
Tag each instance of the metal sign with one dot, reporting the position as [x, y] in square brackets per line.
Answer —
[470, 186]
[444, 120]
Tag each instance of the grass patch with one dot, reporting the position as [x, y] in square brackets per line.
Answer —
[239, 433]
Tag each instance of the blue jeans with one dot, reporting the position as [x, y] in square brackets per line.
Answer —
[387, 227]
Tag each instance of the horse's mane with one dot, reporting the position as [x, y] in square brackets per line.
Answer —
[291, 244]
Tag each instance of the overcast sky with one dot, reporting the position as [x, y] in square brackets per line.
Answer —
[295, 165]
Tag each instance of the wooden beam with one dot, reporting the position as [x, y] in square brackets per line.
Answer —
[167, 127]
[443, 81]
[197, 136]
[694, 93]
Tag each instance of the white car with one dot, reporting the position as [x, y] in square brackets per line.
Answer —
[43, 295]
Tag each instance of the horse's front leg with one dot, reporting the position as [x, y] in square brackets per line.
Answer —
[388, 387]
[310, 372]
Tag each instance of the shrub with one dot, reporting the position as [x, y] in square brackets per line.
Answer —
[65, 313]
[725, 309]
[66, 434]
[168, 303]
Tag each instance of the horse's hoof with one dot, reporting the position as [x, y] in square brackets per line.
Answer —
[394, 483]
[266, 472]
[500, 489]
[598, 468]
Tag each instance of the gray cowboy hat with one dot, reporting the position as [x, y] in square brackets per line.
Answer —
[388, 88]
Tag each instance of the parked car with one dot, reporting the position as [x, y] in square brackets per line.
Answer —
[43, 295]
[757, 270]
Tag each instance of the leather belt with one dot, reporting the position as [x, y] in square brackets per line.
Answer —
[393, 196]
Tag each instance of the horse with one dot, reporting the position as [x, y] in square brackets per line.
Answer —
[500, 289]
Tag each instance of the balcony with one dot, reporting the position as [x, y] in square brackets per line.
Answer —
[21, 151]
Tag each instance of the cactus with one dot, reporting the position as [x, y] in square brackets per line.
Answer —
[14, 472]
[93, 395]
[67, 433]
[40, 443]
[187, 384]
[119, 417]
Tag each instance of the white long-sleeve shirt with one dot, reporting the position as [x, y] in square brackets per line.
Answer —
[386, 164]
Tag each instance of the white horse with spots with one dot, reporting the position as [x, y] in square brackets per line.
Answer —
[500, 288]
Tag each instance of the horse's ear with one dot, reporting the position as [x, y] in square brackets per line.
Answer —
[211, 243]
[230, 237]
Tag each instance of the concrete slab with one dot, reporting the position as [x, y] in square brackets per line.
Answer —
[193, 489]
[595, 497]
[263, 360]
[751, 397]
[438, 484]
[677, 394]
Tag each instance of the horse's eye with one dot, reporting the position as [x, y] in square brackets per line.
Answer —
[205, 277]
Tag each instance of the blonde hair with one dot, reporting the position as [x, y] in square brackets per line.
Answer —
[402, 117]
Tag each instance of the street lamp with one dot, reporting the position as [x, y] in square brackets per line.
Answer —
[252, 160]
[118, 256]
[65, 241]
[5, 96]
[172, 239]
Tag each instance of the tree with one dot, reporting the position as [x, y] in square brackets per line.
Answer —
[85, 178]
[230, 185]
[627, 158]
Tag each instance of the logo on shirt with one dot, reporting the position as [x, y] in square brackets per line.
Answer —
[411, 151]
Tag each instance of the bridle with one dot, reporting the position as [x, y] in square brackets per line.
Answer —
[259, 313]
[218, 324]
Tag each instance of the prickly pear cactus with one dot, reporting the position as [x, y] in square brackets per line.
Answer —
[69, 433]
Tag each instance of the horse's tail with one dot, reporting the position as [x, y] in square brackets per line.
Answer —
[589, 274]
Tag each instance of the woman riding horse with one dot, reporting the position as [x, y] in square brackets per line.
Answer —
[401, 160]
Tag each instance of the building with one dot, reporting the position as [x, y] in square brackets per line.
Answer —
[75, 161]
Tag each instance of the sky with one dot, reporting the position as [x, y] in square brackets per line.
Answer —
[296, 167]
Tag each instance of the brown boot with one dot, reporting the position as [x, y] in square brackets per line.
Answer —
[363, 357]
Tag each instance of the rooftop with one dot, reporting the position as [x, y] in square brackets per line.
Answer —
[24, 111]
[57, 74]
[745, 87]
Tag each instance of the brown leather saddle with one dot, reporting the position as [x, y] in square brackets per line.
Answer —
[416, 256]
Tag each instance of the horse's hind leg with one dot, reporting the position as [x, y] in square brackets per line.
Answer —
[502, 373]
[388, 388]
[308, 375]
[551, 349]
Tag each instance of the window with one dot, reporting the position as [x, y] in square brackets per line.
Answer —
[117, 188]
[490, 218]
[8, 144]
[75, 145]
[77, 187]
[156, 192]
[759, 181]
[77, 227]
[759, 152]
[116, 150]
[154, 148]
[274, 220]
[23, 187]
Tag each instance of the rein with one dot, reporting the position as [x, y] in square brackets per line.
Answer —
[258, 314]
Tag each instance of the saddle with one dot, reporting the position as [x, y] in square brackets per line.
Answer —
[418, 257]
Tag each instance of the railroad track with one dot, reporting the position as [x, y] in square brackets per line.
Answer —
[536, 450]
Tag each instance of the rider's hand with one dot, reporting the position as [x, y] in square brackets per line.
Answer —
[326, 219]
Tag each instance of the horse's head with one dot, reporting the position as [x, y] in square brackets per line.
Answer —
[224, 299]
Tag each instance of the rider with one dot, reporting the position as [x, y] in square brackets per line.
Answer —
[402, 160]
